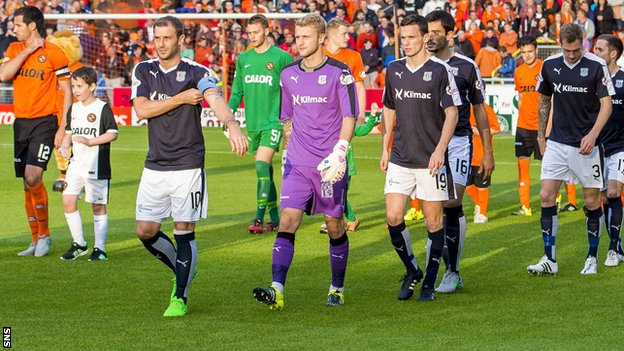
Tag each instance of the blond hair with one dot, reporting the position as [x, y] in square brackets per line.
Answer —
[335, 23]
[312, 20]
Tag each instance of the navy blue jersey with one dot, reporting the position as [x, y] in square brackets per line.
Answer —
[470, 86]
[419, 97]
[612, 135]
[577, 91]
[175, 138]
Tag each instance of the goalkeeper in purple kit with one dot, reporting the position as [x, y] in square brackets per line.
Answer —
[319, 109]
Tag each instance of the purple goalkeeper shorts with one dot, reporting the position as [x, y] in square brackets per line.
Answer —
[302, 189]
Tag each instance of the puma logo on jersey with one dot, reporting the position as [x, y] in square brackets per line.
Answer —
[154, 73]
[398, 74]
[295, 78]
[558, 70]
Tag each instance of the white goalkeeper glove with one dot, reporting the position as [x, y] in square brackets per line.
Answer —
[283, 159]
[334, 166]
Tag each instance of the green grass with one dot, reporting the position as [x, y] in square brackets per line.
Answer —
[117, 305]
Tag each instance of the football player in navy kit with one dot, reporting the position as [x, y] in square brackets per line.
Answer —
[167, 92]
[580, 87]
[609, 47]
[470, 85]
[421, 94]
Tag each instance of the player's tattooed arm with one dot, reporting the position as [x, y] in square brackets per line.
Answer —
[238, 140]
[287, 131]
[543, 117]
[543, 113]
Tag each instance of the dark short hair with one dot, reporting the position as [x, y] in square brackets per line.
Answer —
[416, 20]
[87, 74]
[613, 42]
[30, 14]
[527, 40]
[259, 19]
[448, 22]
[570, 33]
[367, 40]
[171, 21]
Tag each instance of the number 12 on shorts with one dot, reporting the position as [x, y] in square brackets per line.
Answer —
[44, 153]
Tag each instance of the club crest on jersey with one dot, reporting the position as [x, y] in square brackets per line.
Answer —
[479, 84]
[346, 78]
[455, 71]
[584, 72]
[42, 58]
[322, 79]
[180, 76]
[451, 90]
[270, 66]
[427, 76]
[91, 117]
[619, 83]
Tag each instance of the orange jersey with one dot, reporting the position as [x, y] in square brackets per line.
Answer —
[35, 84]
[59, 95]
[351, 58]
[525, 79]
[477, 145]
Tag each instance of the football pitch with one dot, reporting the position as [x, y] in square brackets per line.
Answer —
[117, 305]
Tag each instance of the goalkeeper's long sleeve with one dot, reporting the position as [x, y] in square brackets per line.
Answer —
[366, 128]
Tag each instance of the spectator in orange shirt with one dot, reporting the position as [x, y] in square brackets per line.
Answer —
[567, 15]
[202, 51]
[509, 39]
[498, 9]
[474, 34]
[380, 81]
[367, 32]
[488, 59]
[488, 14]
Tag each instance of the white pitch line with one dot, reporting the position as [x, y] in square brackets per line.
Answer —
[212, 152]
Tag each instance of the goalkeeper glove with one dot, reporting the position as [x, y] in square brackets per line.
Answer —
[283, 159]
[334, 166]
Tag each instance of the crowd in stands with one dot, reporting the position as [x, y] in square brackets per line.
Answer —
[487, 32]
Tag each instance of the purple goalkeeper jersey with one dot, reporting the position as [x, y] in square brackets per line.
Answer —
[316, 101]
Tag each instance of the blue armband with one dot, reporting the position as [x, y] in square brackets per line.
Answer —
[208, 82]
